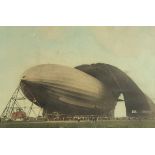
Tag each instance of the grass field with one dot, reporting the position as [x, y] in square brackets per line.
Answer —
[84, 124]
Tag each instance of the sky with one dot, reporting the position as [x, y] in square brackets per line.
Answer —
[132, 49]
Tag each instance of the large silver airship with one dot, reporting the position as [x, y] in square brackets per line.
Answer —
[64, 89]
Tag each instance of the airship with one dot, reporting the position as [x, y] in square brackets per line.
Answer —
[63, 89]
[85, 89]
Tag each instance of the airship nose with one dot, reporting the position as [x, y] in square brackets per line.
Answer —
[23, 80]
[24, 77]
[26, 80]
[27, 77]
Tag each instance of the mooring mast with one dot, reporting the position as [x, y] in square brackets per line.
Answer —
[13, 110]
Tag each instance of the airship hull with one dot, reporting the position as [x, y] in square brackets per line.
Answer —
[63, 89]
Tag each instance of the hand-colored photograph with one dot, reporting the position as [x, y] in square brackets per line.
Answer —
[77, 77]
